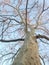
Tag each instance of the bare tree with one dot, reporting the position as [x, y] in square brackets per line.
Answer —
[24, 22]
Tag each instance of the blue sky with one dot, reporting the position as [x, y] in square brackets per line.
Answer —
[5, 46]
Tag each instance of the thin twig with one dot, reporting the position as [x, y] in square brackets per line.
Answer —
[42, 59]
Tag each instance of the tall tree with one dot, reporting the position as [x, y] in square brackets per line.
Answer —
[24, 22]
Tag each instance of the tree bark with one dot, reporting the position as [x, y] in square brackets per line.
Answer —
[28, 54]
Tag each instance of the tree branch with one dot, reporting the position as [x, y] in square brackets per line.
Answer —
[26, 14]
[42, 59]
[11, 40]
[42, 36]
[22, 39]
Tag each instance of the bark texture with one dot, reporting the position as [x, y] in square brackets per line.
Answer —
[28, 54]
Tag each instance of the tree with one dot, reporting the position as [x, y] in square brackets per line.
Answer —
[24, 22]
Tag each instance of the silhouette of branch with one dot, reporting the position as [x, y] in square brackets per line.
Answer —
[11, 40]
[22, 39]
[42, 36]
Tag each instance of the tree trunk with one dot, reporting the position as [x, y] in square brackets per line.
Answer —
[28, 54]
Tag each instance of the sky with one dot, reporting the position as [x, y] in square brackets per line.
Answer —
[6, 46]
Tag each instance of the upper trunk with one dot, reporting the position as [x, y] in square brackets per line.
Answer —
[28, 54]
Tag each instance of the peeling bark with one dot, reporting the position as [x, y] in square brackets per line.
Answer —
[28, 54]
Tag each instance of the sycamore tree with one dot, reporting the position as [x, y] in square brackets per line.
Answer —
[24, 32]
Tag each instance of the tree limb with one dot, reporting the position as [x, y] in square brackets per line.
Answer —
[22, 39]
[42, 36]
[14, 40]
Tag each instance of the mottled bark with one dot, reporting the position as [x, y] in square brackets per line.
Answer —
[28, 54]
